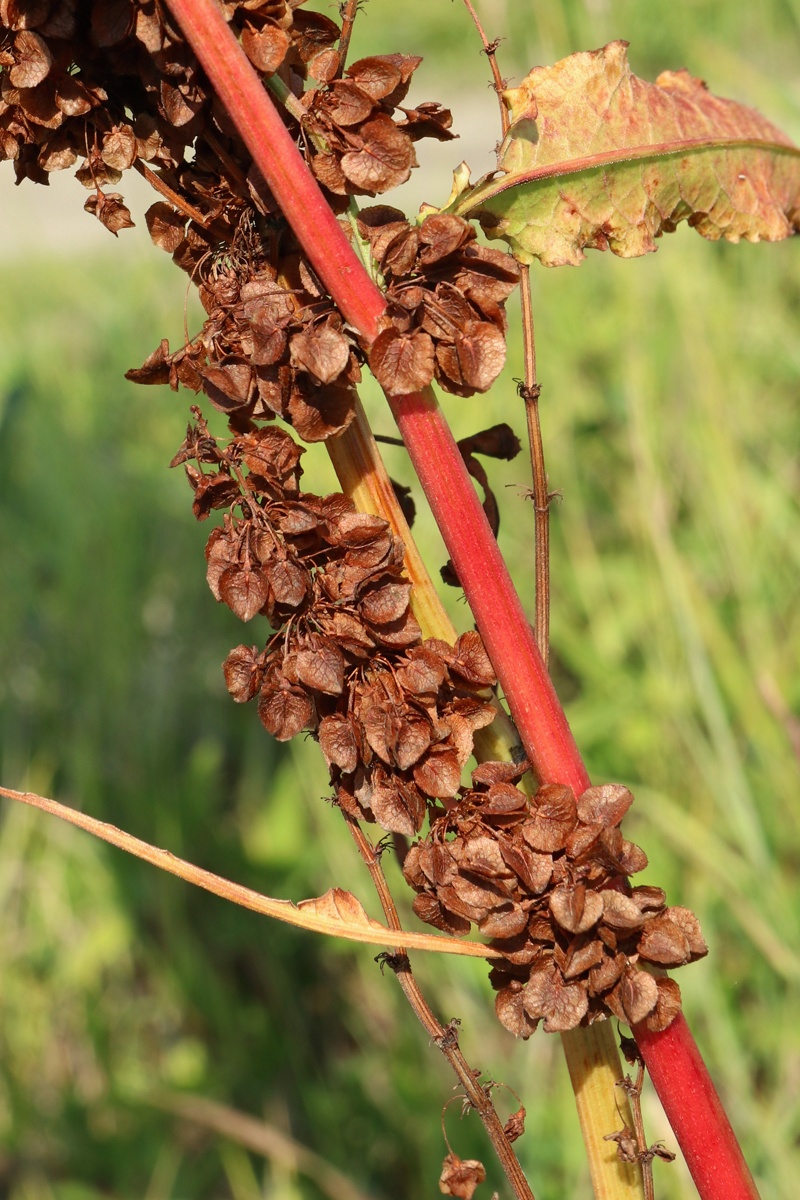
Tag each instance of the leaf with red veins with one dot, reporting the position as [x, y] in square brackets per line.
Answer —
[576, 909]
[439, 774]
[265, 45]
[383, 156]
[378, 76]
[596, 157]
[243, 670]
[323, 351]
[552, 818]
[412, 739]
[634, 997]
[510, 1009]
[672, 939]
[167, 227]
[402, 363]
[337, 741]
[436, 862]
[398, 634]
[386, 604]
[372, 74]
[475, 358]
[607, 972]
[445, 312]
[583, 954]
[320, 666]
[271, 453]
[604, 805]
[285, 711]
[228, 384]
[244, 589]
[562, 1005]
[533, 870]
[318, 413]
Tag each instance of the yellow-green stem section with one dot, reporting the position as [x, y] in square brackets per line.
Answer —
[603, 1108]
[363, 477]
[592, 1055]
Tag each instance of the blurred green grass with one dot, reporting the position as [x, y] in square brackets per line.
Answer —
[672, 425]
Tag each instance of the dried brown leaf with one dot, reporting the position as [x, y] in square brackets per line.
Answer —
[402, 363]
[460, 1177]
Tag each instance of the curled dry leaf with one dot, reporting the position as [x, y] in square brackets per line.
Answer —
[460, 1177]
[596, 157]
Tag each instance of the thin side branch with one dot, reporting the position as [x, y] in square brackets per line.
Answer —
[445, 1036]
[541, 497]
[490, 50]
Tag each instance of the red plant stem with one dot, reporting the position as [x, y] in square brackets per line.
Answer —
[695, 1113]
[674, 1062]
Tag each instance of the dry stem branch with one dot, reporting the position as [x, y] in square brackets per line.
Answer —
[446, 1037]
[337, 913]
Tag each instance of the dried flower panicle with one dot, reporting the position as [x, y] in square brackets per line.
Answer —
[547, 881]
[395, 715]
[114, 85]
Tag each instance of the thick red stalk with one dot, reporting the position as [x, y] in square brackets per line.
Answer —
[695, 1113]
[674, 1062]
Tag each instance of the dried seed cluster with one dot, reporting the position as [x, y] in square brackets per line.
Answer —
[394, 715]
[547, 881]
[266, 349]
[356, 146]
[115, 85]
[446, 294]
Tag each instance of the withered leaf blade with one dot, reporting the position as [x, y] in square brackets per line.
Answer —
[460, 1177]
[552, 818]
[402, 363]
[623, 161]
[337, 742]
[167, 227]
[284, 712]
[243, 673]
[110, 211]
[515, 1125]
[510, 1009]
[265, 46]
[320, 666]
[32, 60]
[244, 589]
[384, 160]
